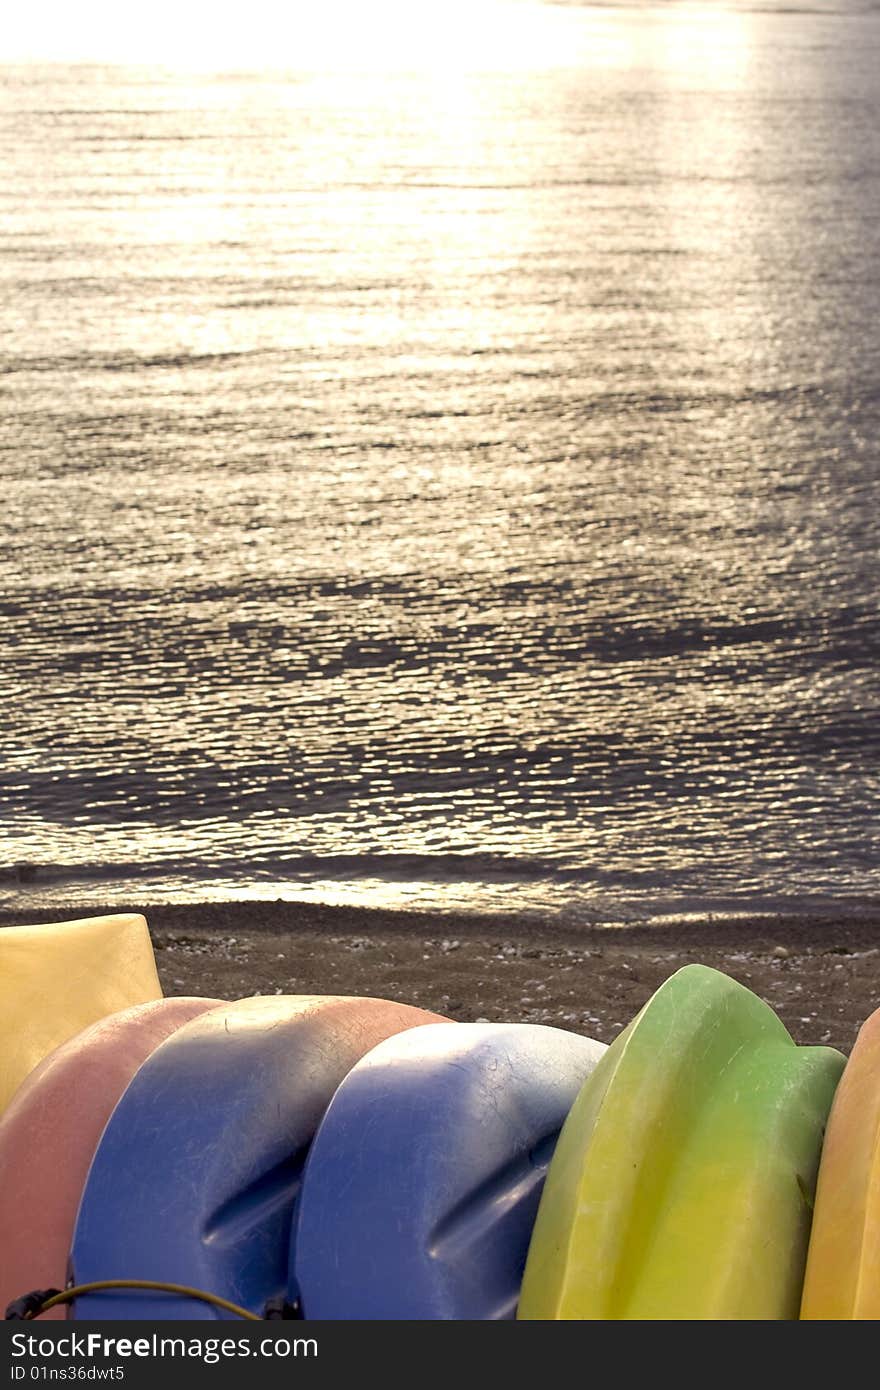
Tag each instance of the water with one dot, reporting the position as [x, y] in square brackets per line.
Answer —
[454, 486]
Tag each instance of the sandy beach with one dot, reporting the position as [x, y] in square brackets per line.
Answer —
[821, 974]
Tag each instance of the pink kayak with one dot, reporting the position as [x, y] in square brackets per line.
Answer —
[49, 1134]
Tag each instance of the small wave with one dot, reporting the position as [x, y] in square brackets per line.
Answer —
[413, 884]
[436, 868]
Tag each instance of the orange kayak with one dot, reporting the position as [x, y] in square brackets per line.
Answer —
[843, 1264]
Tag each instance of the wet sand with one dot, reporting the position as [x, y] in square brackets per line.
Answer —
[821, 974]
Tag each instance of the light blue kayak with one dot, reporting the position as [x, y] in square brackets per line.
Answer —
[422, 1184]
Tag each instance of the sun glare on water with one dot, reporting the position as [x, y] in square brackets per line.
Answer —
[349, 34]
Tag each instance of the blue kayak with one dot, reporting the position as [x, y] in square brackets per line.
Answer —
[195, 1177]
[422, 1185]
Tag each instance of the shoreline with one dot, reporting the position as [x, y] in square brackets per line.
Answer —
[799, 928]
[820, 973]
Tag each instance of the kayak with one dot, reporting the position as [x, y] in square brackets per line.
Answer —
[843, 1264]
[196, 1175]
[421, 1187]
[51, 1129]
[347, 1158]
[60, 977]
[683, 1180]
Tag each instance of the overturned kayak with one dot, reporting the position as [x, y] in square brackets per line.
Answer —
[59, 978]
[196, 1175]
[51, 1129]
[683, 1180]
[421, 1188]
[843, 1265]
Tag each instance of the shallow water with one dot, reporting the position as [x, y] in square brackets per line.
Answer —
[448, 487]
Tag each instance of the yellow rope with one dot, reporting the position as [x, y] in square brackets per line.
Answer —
[183, 1289]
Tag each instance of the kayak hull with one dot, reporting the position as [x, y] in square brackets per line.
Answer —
[49, 1134]
[682, 1183]
[843, 1265]
[421, 1188]
[62, 976]
[195, 1178]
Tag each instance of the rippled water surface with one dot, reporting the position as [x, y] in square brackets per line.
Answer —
[447, 486]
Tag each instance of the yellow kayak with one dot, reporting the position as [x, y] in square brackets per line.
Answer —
[58, 978]
[843, 1264]
[683, 1180]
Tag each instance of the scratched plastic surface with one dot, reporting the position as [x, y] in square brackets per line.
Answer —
[683, 1180]
[421, 1188]
[196, 1176]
